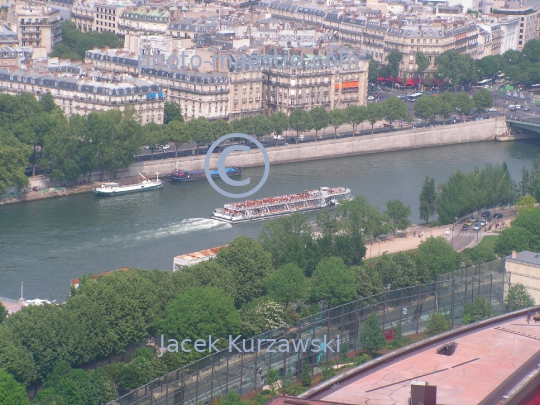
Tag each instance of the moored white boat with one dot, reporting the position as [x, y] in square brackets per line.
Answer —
[111, 188]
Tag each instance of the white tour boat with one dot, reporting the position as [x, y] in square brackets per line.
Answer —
[272, 207]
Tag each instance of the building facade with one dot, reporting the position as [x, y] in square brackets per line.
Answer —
[523, 268]
[38, 26]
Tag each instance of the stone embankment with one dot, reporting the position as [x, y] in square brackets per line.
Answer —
[474, 131]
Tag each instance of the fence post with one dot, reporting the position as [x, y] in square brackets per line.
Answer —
[490, 287]
[418, 310]
[227, 373]
[241, 372]
[255, 368]
[197, 384]
[453, 300]
[327, 354]
[384, 311]
[401, 305]
[212, 379]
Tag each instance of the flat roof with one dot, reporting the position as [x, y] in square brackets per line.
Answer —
[202, 254]
[483, 359]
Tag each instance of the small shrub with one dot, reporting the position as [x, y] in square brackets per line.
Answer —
[362, 358]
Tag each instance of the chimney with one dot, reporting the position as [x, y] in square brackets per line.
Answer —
[514, 254]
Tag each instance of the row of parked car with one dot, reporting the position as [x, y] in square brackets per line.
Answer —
[478, 223]
[513, 107]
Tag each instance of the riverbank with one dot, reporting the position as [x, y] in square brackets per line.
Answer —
[475, 131]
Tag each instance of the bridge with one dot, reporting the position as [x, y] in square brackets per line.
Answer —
[533, 126]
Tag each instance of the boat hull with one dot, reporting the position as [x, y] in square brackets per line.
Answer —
[184, 179]
[269, 216]
[110, 193]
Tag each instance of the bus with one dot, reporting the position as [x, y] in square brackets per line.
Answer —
[413, 97]
[535, 88]
[482, 83]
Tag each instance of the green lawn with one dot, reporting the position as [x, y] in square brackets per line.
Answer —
[488, 242]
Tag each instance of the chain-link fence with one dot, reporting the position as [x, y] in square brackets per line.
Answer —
[208, 379]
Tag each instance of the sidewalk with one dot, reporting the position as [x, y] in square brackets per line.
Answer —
[403, 243]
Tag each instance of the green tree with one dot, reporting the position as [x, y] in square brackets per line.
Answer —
[489, 65]
[199, 312]
[337, 118]
[173, 112]
[305, 376]
[249, 264]
[437, 324]
[177, 133]
[422, 62]
[333, 282]
[374, 113]
[399, 214]
[328, 370]
[437, 256]
[272, 378]
[514, 238]
[455, 67]
[262, 314]
[13, 161]
[394, 60]
[526, 203]
[371, 338]
[11, 392]
[518, 297]
[319, 117]
[300, 121]
[155, 137]
[464, 103]
[263, 126]
[428, 198]
[477, 310]
[288, 284]
[200, 131]
[280, 122]
[222, 127]
[397, 271]
[483, 100]
[47, 102]
[394, 109]
[355, 115]
[445, 105]
[289, 240]
[368, 281]
[15, 358]
[425, 108]
[532, 50]
[3, 313]
[373, 71]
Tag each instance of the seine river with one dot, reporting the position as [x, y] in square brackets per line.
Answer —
[47, 243]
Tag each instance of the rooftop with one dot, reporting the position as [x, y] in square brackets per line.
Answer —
[526, 257]
[485, 357]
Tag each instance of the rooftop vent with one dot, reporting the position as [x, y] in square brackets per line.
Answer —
[447, 349]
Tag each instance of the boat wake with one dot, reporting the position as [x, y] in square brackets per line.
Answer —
[184, 227]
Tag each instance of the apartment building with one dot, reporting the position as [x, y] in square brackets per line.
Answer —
[9, 57]
[107, 16]
[246, 93]
[147, 20]
[82, 15]
[528, 22]
[285, 89]
[82, 95]
[37, 25]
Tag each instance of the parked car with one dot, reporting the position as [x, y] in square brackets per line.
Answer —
[485, 214]
[511, 107]
[474, 218]
[291, 140]
[492, 109]
[526, 108]
[278, 137]
[477, 226]
[465, 227]
[370, 98]
[518, 107]
[469, 222]
[497, 215]
[483, 222]
[301, 137]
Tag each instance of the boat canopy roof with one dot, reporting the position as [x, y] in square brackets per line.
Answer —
[109, 185]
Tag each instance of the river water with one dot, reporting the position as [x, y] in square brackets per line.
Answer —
[47, 243]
